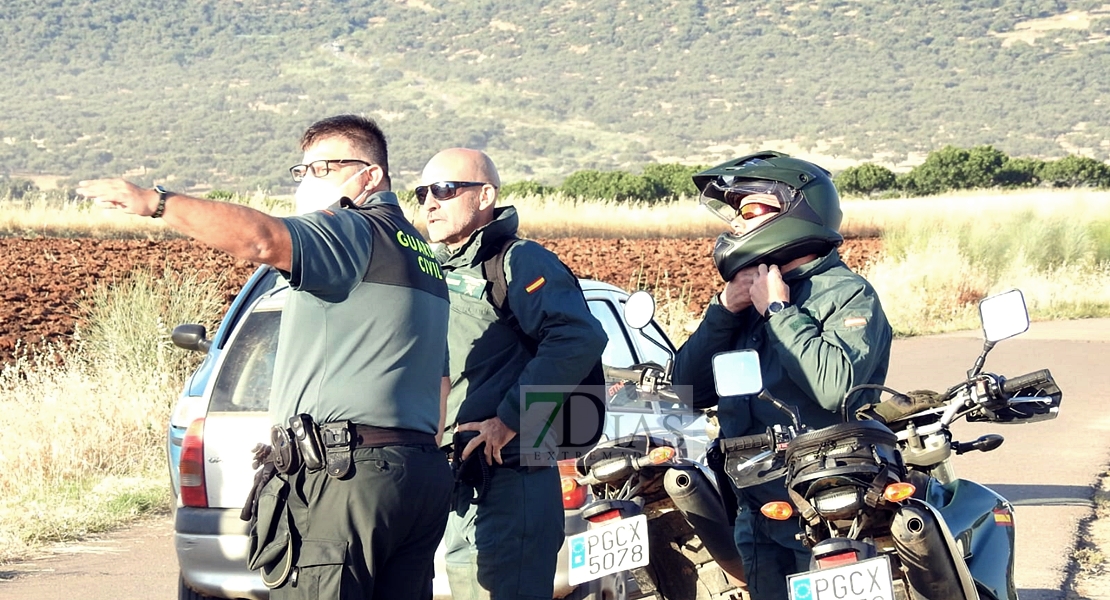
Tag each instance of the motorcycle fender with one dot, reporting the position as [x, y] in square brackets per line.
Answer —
[981, 523]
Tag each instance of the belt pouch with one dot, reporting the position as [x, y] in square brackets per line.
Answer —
[270, 548]
[339, 442]
[286, 457]
[308, 441]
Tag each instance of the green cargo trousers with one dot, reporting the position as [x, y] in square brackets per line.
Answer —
[506, 548]
[373, 534]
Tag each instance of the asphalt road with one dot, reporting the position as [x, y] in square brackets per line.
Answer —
[1046, 469]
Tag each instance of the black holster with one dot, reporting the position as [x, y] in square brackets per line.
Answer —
[285, 454]
[307, 435]
[474, 473]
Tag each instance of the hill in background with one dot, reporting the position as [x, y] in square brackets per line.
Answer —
[216, 92]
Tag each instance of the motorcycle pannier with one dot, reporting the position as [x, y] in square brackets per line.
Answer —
[858, 450]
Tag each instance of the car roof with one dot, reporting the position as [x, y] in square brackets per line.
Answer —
[600, 286]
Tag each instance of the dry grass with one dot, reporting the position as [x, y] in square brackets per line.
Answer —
[82, 439]
[556, 216]
[871, 218]
[76, 450]
[941, 255]
[55, 214]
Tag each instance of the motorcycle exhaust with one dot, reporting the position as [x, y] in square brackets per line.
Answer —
[926, 555]
[698, 502]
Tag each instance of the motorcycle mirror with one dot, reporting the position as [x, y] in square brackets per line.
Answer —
[639, 309]
[1004, 315]
[737, 373]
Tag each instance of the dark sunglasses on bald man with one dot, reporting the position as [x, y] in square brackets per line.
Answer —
[443, 190]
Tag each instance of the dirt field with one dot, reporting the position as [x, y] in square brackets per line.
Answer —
[43, 279]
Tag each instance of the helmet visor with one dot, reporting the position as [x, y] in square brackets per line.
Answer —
[747, 198]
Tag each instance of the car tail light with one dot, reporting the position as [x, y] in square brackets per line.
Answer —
[193, 490]
[574, 495]
[840, 558]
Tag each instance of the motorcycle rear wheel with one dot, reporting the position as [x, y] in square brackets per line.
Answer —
[681, 567]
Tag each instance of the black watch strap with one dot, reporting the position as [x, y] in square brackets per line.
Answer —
[161, 210]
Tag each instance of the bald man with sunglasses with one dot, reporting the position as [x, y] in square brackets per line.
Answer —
[505, 543]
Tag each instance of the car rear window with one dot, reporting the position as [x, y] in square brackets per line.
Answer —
[244, 380]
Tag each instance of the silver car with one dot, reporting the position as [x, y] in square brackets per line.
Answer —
[222, 414]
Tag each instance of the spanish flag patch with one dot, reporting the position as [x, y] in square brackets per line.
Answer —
[1003, 518]
[855, 322]
[535, 285]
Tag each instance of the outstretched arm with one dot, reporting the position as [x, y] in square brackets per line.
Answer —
[241, 231]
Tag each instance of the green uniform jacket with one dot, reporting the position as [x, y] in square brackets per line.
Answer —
[832, 337]
[488, 360]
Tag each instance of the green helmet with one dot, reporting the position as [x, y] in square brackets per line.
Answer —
[807, 223]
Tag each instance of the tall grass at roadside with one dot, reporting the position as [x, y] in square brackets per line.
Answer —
[934, 271]
[82, 438]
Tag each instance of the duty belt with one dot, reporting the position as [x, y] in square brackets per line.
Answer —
[330, 445]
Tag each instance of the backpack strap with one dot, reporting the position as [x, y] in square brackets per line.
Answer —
[493, 269]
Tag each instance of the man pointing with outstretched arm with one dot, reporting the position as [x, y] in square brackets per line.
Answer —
[361, 359]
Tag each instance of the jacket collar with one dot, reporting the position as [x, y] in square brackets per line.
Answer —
[484, 241]
[813, 267]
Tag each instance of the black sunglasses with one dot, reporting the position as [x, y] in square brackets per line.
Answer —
[443, 190]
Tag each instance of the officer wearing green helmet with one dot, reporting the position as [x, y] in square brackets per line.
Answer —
[818, 327]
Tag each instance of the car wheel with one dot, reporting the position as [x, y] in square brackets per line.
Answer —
[184, 592]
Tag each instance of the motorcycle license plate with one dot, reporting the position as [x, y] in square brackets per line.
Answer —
[614, 547]
[865, 580]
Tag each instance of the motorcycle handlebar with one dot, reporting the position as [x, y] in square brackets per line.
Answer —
[1013, 385]
[747, 442]
[633, 375]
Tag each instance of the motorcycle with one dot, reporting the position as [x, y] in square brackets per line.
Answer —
[654, 512]
[879, 503]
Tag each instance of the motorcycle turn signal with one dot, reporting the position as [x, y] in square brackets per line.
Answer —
[661, 455]
[778, 511]
[897, 492]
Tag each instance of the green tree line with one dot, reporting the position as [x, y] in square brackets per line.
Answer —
[944, 170]
[952, 168]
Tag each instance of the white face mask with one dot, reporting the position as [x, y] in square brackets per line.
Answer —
[315, 194]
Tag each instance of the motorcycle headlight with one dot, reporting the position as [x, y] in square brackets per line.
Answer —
[838, 502]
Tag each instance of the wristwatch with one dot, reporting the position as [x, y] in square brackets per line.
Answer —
[774, 308]
[162, 193]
